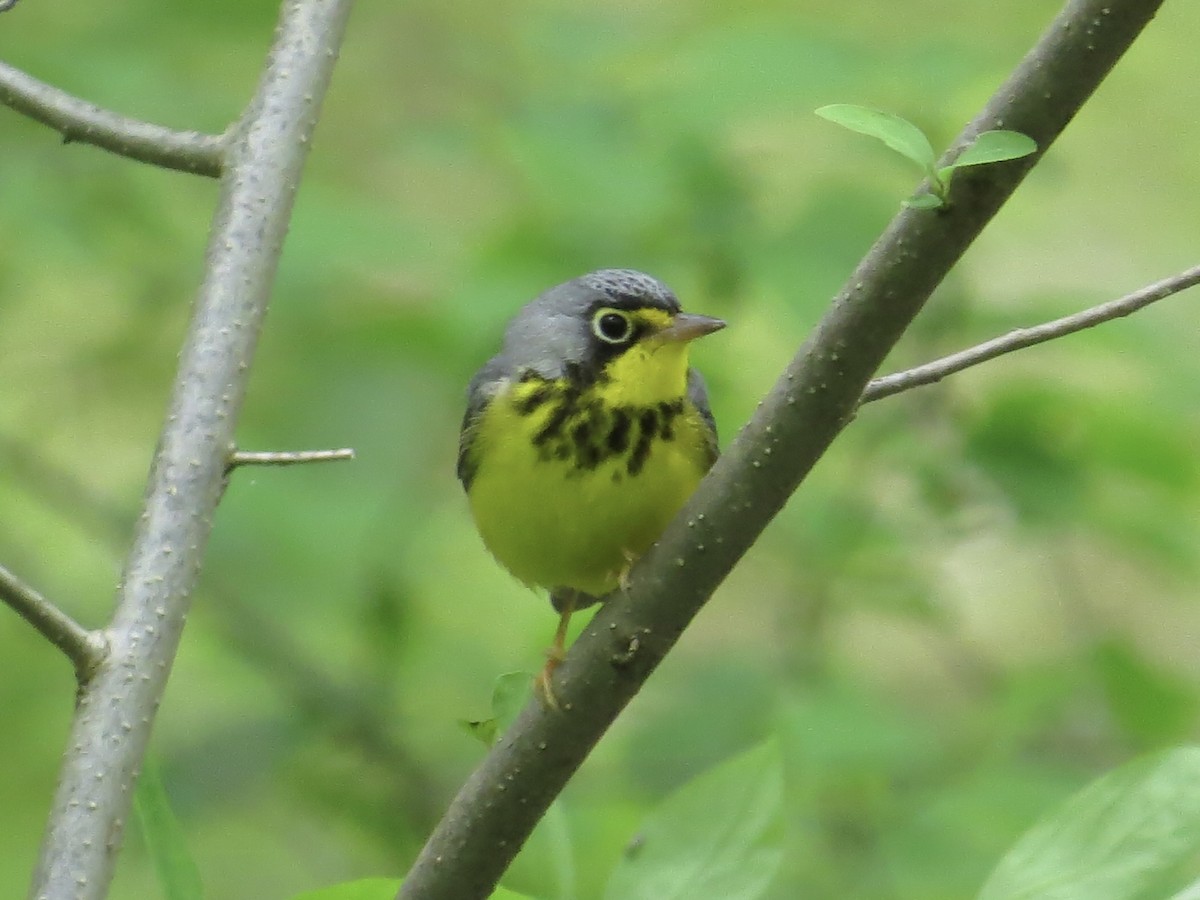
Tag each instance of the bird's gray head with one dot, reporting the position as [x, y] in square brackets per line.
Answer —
[559, 329]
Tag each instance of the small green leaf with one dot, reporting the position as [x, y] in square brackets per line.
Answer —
[483, 730]
[900, 134]
[509, 695]
[547, 864]
[1123, 837]
[177, 871]
[718, 836]
[924, 201]
[994, 146]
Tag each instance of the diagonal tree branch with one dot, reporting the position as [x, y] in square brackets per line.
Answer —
[497, 808]
[116, 708]
[78, 120]
[84, 648]
[933, 372]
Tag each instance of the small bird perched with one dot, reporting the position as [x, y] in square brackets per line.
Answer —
[585, 435]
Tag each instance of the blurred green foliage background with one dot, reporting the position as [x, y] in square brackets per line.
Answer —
[984, 596]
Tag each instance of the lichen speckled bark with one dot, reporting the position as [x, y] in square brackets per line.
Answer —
[817, 395]
[263, 160]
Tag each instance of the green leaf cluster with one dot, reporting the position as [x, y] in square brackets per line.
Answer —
[910, 142]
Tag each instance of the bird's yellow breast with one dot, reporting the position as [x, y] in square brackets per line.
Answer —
[573, 482]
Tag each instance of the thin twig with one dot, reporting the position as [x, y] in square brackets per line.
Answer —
[286, 457]
[78, 120]
[933, 372]
[84, 648]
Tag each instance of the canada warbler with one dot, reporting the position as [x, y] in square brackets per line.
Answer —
[585, 436]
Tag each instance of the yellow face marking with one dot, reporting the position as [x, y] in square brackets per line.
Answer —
[649, 372]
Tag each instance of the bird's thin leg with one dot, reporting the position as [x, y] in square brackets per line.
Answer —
[623, 575]
[557, 651]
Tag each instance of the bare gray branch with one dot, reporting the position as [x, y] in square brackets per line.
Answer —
[78, 120]
[287, 457]
[116, 708]
[933, 372]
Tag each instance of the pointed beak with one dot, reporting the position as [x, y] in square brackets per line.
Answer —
[689, 326]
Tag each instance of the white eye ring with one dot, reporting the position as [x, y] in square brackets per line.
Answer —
[612, 326]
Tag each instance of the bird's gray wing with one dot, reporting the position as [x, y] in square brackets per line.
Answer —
[698, 395]
[480, 393]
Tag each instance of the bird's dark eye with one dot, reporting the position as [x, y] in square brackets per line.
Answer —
[611, 326]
